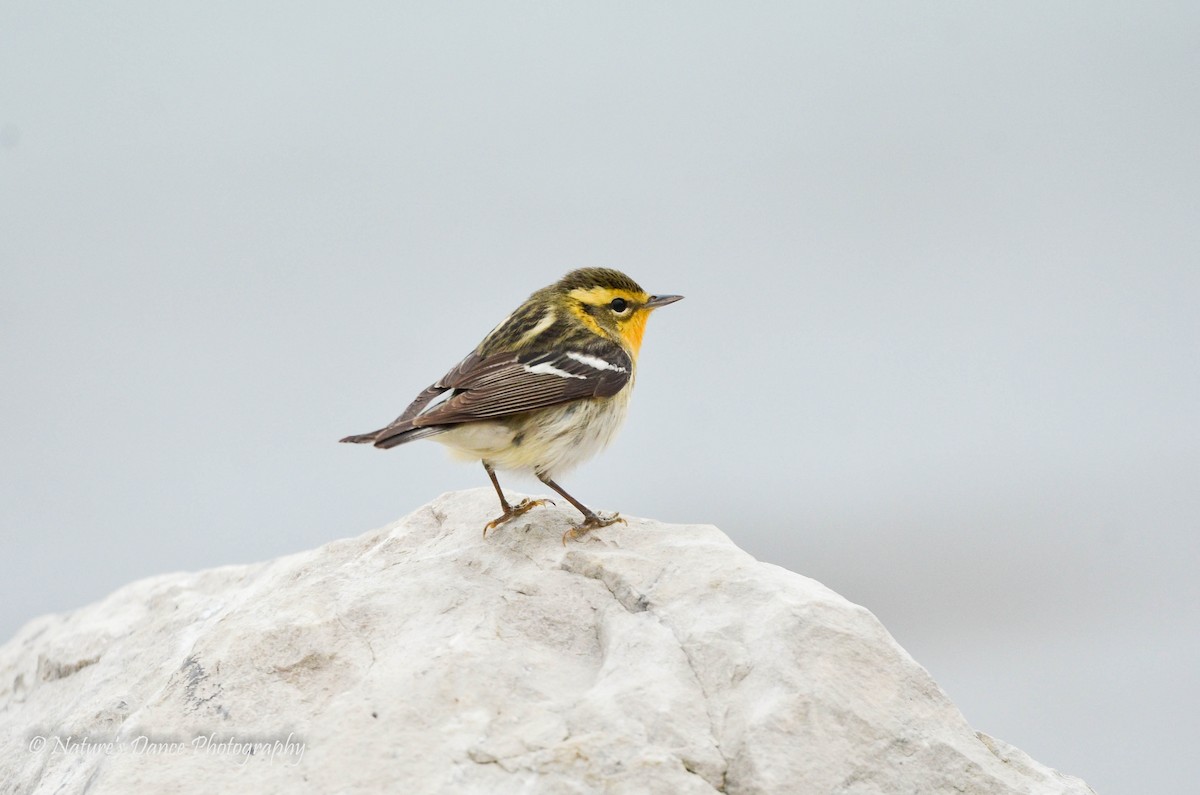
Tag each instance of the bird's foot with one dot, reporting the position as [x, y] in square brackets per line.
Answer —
[513, 511]
[591, 523]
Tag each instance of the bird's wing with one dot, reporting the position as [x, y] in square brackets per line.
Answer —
[510, 383]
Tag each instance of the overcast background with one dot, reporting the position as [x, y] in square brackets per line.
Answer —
[939, 349]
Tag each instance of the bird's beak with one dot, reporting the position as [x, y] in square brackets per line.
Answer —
[662, 300]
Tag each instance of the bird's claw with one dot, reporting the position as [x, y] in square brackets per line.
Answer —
[513, 511]
[591, 523]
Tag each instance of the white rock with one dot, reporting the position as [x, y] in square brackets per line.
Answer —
[648, 658]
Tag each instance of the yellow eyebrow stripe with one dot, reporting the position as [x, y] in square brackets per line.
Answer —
[598, 296]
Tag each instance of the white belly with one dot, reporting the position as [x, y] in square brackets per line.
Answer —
[549, 442]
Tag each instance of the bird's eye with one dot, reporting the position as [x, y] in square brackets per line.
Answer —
[618, 305]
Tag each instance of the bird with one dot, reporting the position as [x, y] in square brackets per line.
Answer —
[545, 390]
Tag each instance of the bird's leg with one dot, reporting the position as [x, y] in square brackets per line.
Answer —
[590, 519]
[510, 512]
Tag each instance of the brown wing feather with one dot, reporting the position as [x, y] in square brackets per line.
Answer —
[507, 384]
[504, 384]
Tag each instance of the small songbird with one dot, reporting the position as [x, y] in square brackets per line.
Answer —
[545, 390]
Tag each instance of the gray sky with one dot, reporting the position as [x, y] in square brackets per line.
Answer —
[939, 348]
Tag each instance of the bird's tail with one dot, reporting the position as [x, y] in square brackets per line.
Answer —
[394, 435]
[362, 438]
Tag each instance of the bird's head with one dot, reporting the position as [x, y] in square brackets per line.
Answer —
[610, 303]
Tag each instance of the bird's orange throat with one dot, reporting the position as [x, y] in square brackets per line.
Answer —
[632, 331]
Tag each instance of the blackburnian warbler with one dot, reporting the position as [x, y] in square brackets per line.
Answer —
[545, 390]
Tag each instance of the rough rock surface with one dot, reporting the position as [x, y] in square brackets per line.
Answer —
[648, 658]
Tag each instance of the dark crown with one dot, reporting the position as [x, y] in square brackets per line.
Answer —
[585, 278]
